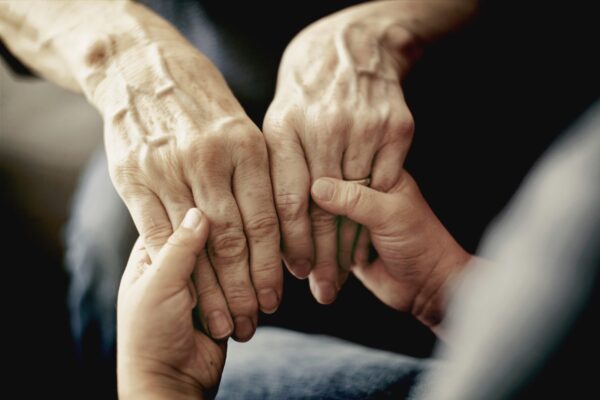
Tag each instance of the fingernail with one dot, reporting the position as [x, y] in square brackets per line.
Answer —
[192, 219]
[269, 301]
[301, 268]
[244, 328]
[218, 325]
[325, 292]
[323, 189]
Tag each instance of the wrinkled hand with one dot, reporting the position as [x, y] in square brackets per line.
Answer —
[177, 138]
[338, 112]
[416, 254]
[160, 354]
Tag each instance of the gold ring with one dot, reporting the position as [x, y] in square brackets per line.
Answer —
[364, 181]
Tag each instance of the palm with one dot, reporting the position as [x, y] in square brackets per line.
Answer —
[185, 348]
[208, 360]
[407, 255]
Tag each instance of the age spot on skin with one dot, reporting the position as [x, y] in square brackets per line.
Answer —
[97, 54]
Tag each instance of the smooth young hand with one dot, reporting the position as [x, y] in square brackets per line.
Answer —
[417, 255]
[159, 353]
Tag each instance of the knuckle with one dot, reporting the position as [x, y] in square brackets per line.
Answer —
[404, 125]
[187, 240]
[337, 119]
[125, 171]
[277, 120]
[157, 234]
[290, 206]
[267, 275]
[241, 298]
[250, 137]
[207, 295]
[229, 245]
[365, 132]
[265, 224]
[251, 148]
[267, 272]
[196, 149]
[323, 222]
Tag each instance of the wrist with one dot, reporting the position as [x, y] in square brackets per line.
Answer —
[126, 51]
[149, 380]
[429, 305]
[405, 27]
[387, 27]
[363, 38]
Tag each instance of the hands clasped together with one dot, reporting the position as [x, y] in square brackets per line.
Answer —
[177, 138]
[182, 141]
[417, 256]
[178, 142]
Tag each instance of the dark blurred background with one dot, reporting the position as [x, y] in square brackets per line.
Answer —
[487, 102]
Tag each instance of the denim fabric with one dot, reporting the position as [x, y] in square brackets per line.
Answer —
[282, 364]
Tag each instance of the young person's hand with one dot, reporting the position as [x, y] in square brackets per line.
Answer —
[159, 353]
[417, 255]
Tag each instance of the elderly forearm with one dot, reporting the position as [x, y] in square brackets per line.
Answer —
[78, 44]
[426, 19]
[402, 26]
[56, 38]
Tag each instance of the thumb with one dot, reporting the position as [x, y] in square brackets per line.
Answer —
[177, 258]
[359, 203]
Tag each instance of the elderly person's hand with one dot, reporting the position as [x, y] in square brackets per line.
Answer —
[175, 137]
[160, 354]
[339, 111]
[416, 254]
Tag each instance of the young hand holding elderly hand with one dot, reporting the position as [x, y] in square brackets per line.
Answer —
[416, 254]
[176, 137]
[161, 354]
[339, 111]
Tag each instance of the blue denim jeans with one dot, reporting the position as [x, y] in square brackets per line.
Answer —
[282, 364]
